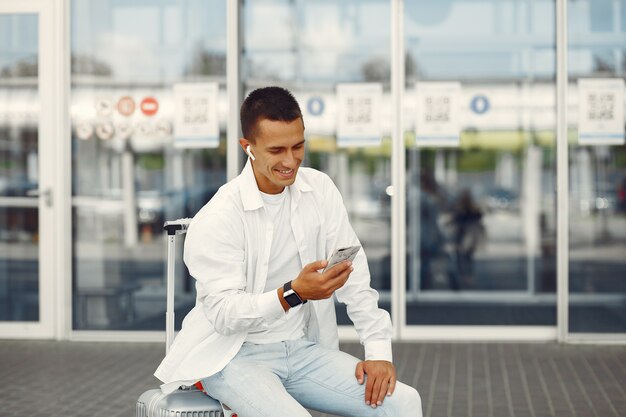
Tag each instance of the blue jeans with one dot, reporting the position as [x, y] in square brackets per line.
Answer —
[281, 379]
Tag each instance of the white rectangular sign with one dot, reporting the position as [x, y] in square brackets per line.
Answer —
[437, 122]
[358, 115]
[601, 111]
[195, 115]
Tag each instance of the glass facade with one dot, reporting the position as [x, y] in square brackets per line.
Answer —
[351, 46]
[19, 175]
[480, 192]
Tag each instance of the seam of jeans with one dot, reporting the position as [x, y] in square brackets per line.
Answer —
[315, 381]
[287, 359]
[241, 394]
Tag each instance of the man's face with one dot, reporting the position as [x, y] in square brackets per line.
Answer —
[279, 151]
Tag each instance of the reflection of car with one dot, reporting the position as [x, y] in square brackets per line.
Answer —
[154, 206]
[16, 187]
[621, 197]
[606, 199]
[151, 207]
[604, 203]
[501, 199]
[195, 198]
[366, 208]
[19, 223]
[373, 205]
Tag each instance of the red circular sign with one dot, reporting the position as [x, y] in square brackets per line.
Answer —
[149, 106]
[126, 106]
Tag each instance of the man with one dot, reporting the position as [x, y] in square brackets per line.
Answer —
[262, 337]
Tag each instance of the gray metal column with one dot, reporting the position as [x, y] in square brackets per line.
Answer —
[398, 207]
[562, 213]
[233, 87]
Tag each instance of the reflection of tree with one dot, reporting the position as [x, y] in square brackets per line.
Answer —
[603, 64]
[81, 64]
[88, 65]
[261, 71]
[204, 62]
[410, 66]
[26, 67]
[378, 69]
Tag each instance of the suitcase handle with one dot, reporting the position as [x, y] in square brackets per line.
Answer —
[176, 227]
[173, 228]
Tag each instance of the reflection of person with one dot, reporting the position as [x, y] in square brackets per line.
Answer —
[252, 339]
[621, 196]
[432, 239]
[469, 232]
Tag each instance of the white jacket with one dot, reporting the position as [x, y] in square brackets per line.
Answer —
[227, 250]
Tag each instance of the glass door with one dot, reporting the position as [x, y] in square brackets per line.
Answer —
[597, 171]
[26, 199]
[480, 160]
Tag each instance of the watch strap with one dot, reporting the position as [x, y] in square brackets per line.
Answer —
[291, 296]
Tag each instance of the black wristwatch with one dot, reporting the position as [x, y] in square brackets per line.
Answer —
[292, 297]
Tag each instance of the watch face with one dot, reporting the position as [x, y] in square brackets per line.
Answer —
[292, 298]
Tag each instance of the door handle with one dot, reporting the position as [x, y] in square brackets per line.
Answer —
[45, 194]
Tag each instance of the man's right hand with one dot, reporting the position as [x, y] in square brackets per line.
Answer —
[314, 285]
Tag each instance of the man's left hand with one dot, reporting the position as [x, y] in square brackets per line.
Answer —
[381, 380]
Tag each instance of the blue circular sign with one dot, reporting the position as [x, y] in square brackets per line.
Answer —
[315, 106]
[480, 104]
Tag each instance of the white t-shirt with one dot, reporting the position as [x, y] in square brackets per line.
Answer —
[284, 265]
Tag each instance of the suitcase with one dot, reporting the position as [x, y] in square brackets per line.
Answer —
[186, 401]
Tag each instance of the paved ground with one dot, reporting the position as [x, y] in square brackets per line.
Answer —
[454, 379]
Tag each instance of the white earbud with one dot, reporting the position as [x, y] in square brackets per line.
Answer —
[249, 152]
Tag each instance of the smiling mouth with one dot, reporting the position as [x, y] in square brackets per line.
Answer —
[285, 172]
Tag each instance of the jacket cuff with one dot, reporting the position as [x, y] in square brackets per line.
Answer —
[379, 350]
[270, 307]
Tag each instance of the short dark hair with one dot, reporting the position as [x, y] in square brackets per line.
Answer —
[272, 103]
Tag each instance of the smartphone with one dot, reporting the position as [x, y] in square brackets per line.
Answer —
[342, 254]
